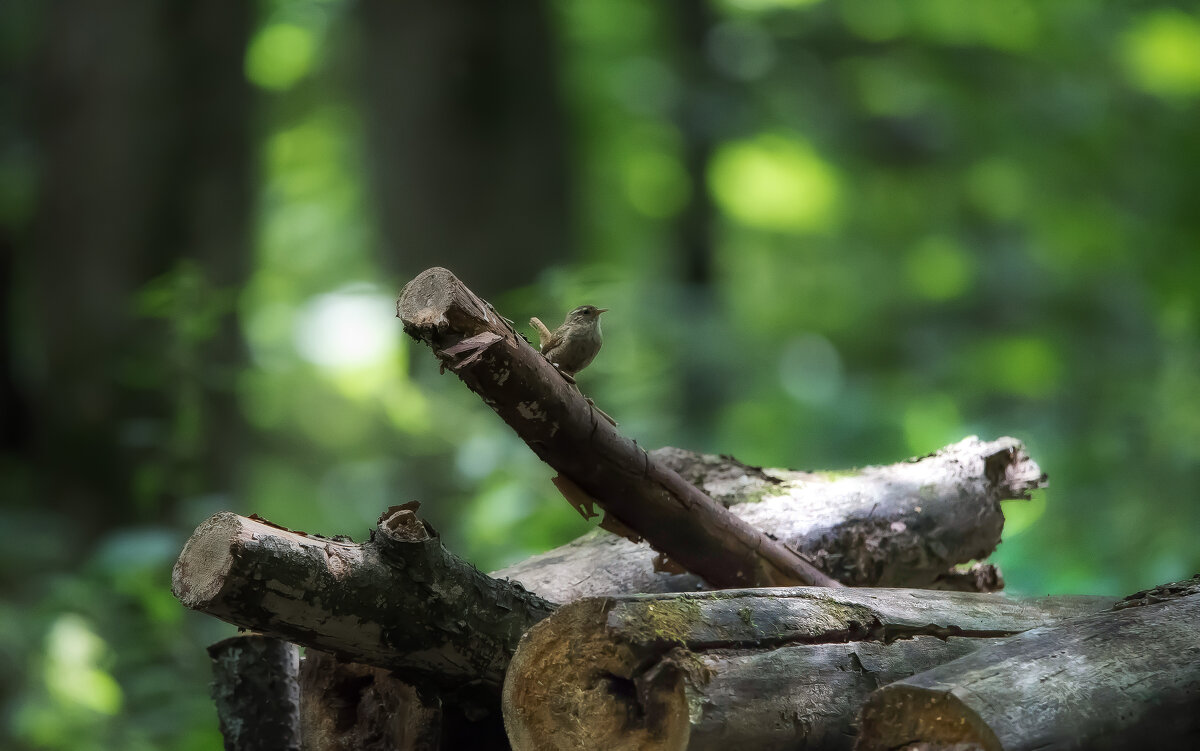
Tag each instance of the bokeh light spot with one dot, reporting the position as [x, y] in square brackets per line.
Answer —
[1020, 365]
[280, 55]
[810, 369]
[997, 187]
[759, 6]
[350, 328]
[1161, 54]
[887, 86]
[1005, 24]
[775, 182]
[73, 672]
[938, 269]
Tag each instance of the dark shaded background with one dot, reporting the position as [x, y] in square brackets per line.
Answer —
[831, 234]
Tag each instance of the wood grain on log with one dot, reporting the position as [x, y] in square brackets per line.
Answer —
[566, 432]
[761, 669]
[400, 601]
[348, 706]
[899, 525]
[256, 693]
[1114, 680]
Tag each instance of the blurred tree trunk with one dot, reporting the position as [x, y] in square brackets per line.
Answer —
[696, 121]
[703, 382]
[14, 412]
[465, 128]
[141, 117]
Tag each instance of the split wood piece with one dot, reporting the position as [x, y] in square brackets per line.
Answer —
[761, 669]
[400, 601]
[1113, 680]
[556, 421]
[256, 693]
[346, 706]
[899, 525]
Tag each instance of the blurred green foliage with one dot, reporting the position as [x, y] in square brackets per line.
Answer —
[935, 218]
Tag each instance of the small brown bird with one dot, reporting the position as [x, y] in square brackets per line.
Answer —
[572, 345]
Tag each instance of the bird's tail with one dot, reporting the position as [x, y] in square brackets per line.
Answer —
[543, 332]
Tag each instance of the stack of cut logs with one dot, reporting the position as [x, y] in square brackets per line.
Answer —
[691, 620]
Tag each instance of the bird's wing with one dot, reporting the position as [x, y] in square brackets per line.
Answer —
[544, 335]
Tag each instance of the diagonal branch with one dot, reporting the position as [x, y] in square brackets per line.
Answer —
[566, 432]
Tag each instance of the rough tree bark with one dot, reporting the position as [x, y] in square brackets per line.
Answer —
[900, 525]
[761, 669]
[1112, 680]
[256, 693]
[347, 706]
[594, 461]
[400, 601]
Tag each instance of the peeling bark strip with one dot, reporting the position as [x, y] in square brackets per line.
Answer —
[565, 431]
[400, 601]
[898, 525]
[1113, 680]
[753, 669]
[256, 693]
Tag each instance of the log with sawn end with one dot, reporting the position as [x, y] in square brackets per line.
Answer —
[764, 669]
[400, 601]
[1127, 678]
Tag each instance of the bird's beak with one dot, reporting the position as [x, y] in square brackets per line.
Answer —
[601, 310]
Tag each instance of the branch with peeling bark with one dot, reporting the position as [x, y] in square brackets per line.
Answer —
[902, 525]
[566, 432]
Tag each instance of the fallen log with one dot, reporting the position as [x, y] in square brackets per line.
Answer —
[256, 693]
[1112, 680]
[761, 669]
[900, 525]
[400, 601]
[594, 461]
